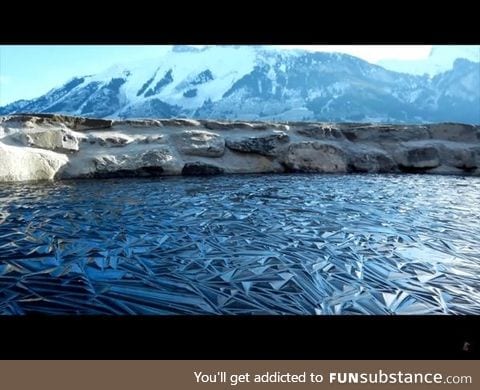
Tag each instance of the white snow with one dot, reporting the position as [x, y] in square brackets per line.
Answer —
[23, 163]
[227, 64]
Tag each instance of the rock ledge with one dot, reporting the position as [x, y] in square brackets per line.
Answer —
[47, 147]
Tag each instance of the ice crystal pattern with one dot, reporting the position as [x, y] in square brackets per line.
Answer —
[280, 244]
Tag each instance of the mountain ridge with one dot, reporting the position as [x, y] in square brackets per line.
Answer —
[259, 83]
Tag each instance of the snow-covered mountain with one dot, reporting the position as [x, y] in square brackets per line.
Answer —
[255, 83]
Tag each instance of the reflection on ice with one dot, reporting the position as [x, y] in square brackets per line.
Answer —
[280, 244]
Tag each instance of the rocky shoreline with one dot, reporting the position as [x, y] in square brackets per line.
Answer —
[48, 147]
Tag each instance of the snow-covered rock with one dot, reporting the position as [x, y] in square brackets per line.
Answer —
[150, 148]
[25, 164]
[58, 140]
[152, 162]
[108, 139]
[199, 143]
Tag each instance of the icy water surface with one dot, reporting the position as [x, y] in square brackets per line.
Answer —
[266, 244]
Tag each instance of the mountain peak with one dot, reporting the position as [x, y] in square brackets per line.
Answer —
[263, 83]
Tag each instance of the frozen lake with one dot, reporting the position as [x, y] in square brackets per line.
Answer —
[242, 244]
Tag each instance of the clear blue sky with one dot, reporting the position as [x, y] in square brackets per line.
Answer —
[29, 71]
